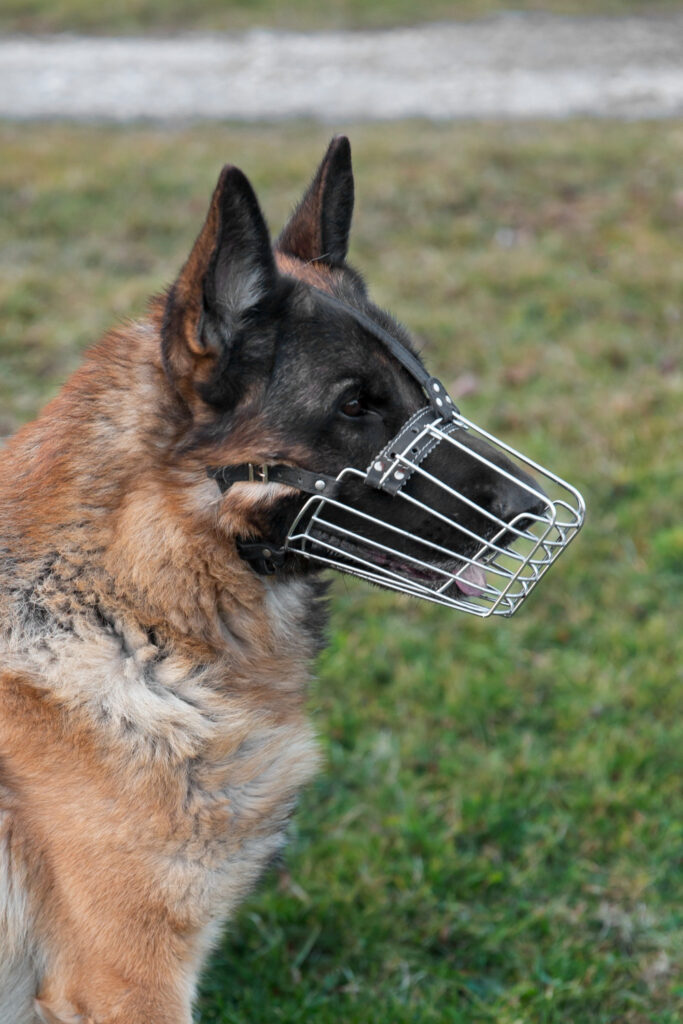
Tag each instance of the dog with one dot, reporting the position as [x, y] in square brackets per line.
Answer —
[153, 737]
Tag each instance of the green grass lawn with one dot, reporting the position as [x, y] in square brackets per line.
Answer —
[235, 15]
[496, 836]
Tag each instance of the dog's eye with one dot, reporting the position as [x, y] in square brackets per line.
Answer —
[353, 408]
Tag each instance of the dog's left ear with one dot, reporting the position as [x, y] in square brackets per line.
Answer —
[318, 230]
[230, 270]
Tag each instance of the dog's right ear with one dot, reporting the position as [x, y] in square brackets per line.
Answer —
[230, 270]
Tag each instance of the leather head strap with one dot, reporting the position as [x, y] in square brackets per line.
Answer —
[279, 473]
[439, 399]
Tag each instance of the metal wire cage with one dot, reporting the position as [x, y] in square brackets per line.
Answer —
[506, 564]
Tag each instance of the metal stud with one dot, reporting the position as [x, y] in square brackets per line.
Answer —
[439, 402]
[399, 475]
[320, 485]
[379, 466]
[267, 552]
[436, 386]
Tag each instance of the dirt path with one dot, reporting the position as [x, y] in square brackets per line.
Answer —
[512, 65]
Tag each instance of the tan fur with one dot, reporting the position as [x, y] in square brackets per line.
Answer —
[152, 729]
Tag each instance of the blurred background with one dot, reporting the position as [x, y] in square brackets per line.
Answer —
[496, 835]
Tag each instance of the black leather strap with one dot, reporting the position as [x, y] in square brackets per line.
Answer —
[386, 472]
[293, 476]
[439, 399]
[264, 559]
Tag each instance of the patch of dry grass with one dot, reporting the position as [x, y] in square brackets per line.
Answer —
[129, 16]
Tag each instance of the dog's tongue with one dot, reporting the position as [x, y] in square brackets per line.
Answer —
[472, 580]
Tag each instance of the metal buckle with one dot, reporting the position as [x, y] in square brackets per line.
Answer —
[259, 473]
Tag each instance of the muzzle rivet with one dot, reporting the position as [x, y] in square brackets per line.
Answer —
[267, 552]
[379, 466]
[398, 475]
[320, 485]
[439, 402]
[436, 387]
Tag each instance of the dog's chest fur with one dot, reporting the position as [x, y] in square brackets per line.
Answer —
[177, 775]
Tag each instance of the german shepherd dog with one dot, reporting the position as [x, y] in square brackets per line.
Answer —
[153, 738]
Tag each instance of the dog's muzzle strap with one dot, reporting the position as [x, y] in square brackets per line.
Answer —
[278, 473]
[437, 395]
[264, 558]
[387, 472]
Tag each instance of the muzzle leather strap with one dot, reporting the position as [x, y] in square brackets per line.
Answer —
[278, 473]
[264, 558]
[439, 399]
[386, 472]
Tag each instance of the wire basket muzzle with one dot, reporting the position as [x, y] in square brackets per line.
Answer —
[407, 525]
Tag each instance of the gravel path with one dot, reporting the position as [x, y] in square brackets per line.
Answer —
[511, 65]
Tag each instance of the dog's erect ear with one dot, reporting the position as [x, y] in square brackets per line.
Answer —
[230, 270]
[319, 227]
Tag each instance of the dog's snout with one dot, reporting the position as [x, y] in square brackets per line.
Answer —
[523, 496]
[498, 484]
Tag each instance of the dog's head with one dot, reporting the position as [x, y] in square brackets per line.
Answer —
[271, 372]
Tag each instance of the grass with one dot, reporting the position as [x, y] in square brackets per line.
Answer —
[497, 834]
[235, 15]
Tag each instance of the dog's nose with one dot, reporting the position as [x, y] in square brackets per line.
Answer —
[523, 498]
